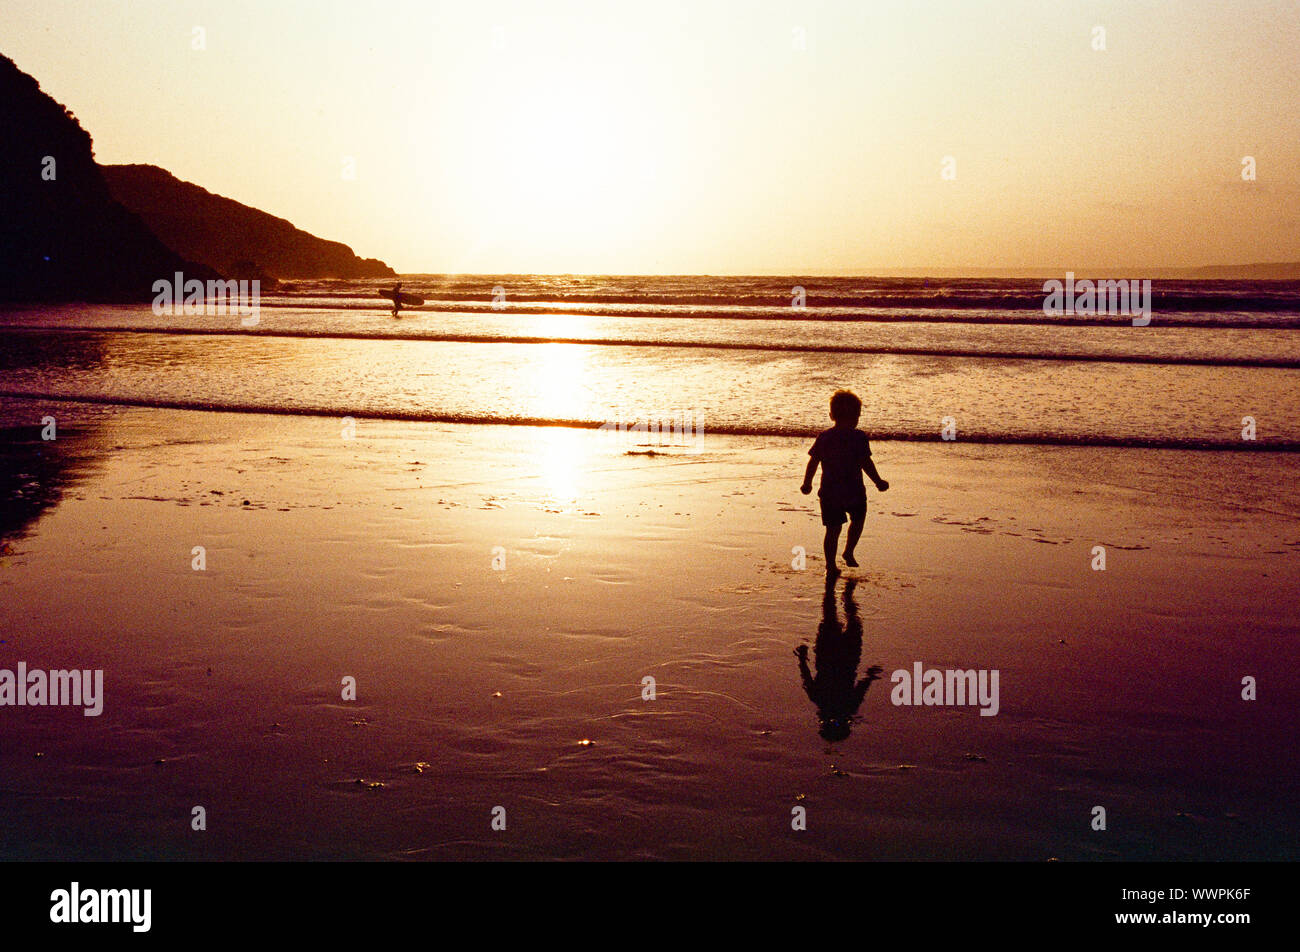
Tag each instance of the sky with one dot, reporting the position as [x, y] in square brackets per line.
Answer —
[703, 136]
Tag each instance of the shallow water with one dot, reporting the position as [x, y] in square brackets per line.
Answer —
[977, 359]
[723, 390]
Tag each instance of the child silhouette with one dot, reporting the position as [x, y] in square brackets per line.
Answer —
[844, 455]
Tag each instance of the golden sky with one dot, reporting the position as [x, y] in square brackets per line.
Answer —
[707, 137]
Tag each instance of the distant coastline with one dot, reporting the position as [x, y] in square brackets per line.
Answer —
[1261, 271]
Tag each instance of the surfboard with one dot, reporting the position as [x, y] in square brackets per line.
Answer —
[408, 300]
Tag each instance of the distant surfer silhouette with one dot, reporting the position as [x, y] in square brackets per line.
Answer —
[396, 295]
[836, 653]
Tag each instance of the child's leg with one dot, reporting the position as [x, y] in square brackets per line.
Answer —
[855, 533]
[828, 546]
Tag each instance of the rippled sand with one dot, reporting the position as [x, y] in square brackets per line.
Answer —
[523, 688]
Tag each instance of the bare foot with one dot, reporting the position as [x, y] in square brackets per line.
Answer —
[850, 560]
[832, 571]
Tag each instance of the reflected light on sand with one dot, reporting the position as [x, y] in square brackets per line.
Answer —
[563, 456]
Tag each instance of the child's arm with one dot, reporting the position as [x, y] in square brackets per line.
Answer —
[869, 467]
[808, 474]
[860, 689]
[802, 654]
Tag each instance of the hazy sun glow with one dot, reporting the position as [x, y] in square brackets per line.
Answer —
[554, 165]
[701, 136]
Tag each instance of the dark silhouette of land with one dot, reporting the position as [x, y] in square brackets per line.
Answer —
[72, 230]
[1258, 271]
[1266, 271]
[235, 239]
[62, 236]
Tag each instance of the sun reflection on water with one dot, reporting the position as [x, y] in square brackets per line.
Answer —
[553, 382]
[556, 391]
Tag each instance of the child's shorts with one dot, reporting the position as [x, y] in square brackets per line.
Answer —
[834, 514]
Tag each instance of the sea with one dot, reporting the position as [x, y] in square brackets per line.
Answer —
[1216, 366]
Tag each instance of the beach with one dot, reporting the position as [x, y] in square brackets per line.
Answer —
[500, 594]
[799, 437]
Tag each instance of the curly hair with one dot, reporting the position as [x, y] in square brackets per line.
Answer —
[845, 405]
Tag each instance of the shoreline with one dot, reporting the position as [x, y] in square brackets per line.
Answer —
[1283, 447]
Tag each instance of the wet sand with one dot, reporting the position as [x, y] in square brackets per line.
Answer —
[477, 686]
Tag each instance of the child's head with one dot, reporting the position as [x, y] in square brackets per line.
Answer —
[845, 408]
[834, 729]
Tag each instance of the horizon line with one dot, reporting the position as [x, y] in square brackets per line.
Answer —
[1028, 271]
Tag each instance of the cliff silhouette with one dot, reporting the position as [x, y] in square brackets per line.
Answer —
[237, 240]
[62, 236]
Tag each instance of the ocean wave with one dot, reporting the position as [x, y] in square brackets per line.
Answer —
[1287, 363]
[1225, 444]
[777, 292]
[1160, 301]
[1199, 317]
